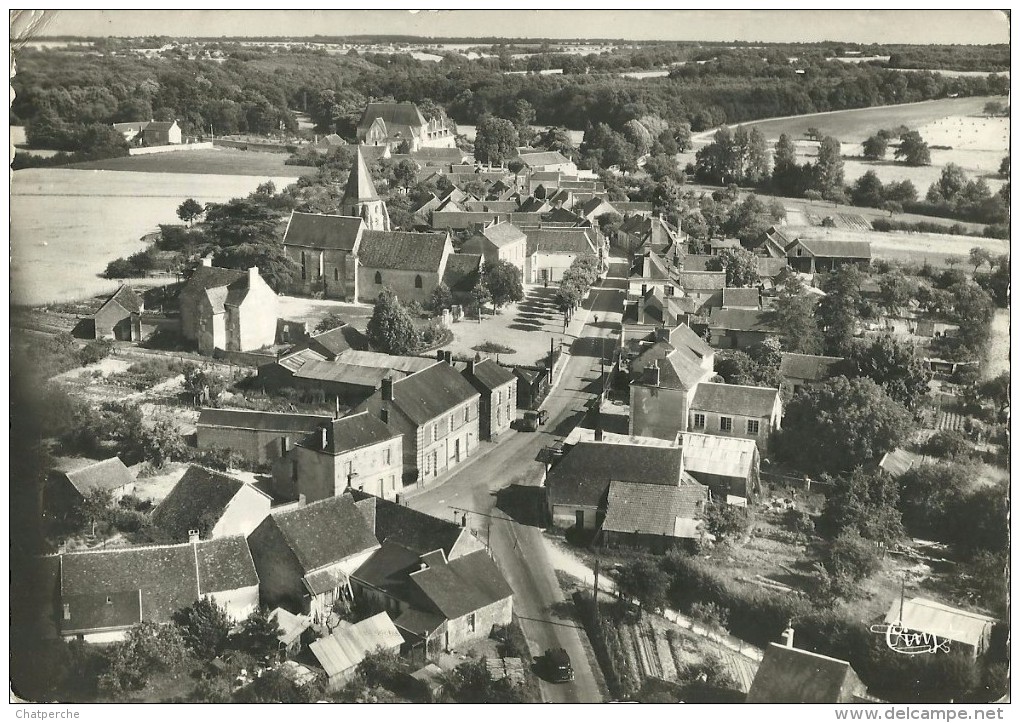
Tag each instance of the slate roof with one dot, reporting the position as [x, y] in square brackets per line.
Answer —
[169, 577]
[628, 207]
[402, 250]
[110, 474]
[526, 219]
[341, 373]
[419, 622]
[741, 320]
[126, 298]
[638, 508]
[543, 158]
[832, 248]
[322, 231]
[495, 206]
[927, 616]
[375, 359]
[792, 675]
[428, 394]
[349, 433]
[559, 241]
[336, 341]
[702, 280]
[503, 234]
[741, 298]
[388, 569]
[583, 475]
[488, 376]
[349, 643]
[735, 399]
[404, 114]
[678, 369]
[198, 499]
[461, 273]
[534, 205]
[462, 585]
[324, 532]
[360, 186]
[699, 262]
[263, 421]
[809, 367]
[598, 204]
[211, 277]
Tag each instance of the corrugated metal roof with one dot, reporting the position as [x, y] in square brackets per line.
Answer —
[723, 456]
[927, 616]
[349, 644]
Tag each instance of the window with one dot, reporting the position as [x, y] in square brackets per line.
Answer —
[389, 455]
[336, 274]
[467, 413]
[378, 277]
[109, 600]
[304, 272]
[471, 622]
[417, 281]
[752, 426]
[435, 432]
[725, 424]
[67, 611]
[699, 421]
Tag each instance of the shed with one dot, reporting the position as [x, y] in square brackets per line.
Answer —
[340, 653]
[963, 628]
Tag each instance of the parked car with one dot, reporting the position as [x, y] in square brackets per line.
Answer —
[533, 420]
[557, 665]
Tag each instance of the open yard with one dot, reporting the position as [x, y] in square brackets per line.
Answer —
[216, 161]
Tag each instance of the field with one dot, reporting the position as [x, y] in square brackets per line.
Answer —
[214, 161]
[66, 224]
[998, 353]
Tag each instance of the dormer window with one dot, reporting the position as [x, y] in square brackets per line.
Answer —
[67, 611]
[109, 600]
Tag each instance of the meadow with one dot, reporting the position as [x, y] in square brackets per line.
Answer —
[213, 161]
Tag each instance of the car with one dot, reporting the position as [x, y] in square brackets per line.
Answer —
[557, 665]
[533, 420]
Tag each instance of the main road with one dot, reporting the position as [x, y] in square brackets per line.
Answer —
[505, 478]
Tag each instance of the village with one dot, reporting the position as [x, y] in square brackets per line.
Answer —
[461, 422]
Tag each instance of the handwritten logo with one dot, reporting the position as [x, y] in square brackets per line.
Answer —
[901, 640]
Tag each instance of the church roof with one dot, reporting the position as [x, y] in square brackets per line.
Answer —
[360, 186]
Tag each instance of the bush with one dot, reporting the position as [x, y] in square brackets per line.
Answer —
[710, 614]
[948, 444]
[204, 627]
[94, 351]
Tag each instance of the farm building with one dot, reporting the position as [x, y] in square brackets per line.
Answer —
[801, 371]
[114, 318]
[965, 630]
[257, 436]
[340, 652]
[68, 488]
[815, 253]
[207, 505]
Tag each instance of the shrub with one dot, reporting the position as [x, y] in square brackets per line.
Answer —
[204, 627]
[94, 351]
[948, 443]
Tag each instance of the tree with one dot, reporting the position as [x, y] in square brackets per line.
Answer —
[258, 635]
[203, 384]
[865, 503]
[848, 561]
[149, 647]
[644, 581]
[895, 367]
[440, 298]
[1004, 167]
[930, 495]
[979, 256]
[639, 136]
[913, 150]
[189, 210]
[993, 107]
[503, 280]
[735, 367]
[740, 265]
[829, 169]
[749, 219]
[160, 443]
[792, 314]
[840, 425]
[838, 310]
[391, 329]
[948, 444]
[558, 139]
[495, 140]
[405, 173]
[727, 521]
[332, 320]
[242, 221]
[204, 627]
[480, 296]
[895, 290]
[275, 267]
[951, 182]
[867, 191]
[94, 351]
[524, 117]
[813, 133]
[875, 147]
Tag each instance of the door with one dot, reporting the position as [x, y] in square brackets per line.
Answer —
[456, 450]
[435, 463]
[579, 519]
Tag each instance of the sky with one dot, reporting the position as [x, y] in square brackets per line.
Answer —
[863, 26]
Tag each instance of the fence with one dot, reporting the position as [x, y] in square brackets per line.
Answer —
[245, 358]
[804, 484]
[256, 145]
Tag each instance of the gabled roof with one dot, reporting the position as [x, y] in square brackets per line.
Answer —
[741, 320]
[899, 461]
[197, 501]
[338, 340]
[559, 241]
[543, 158]
[927, 616]
[639, 508]
[582, 477]
[677, 369]
[346, 434]
[349, 643]
[711, 454]
[699, 280]
[461, 273]
[792, 675]
[534, 205]
[403, 114]
[809, 367]
[495, 206]
[416, 531]
[375, 359]
[735, 399]
[503, 234]
[462, 585]
[833, 248]
[262, 421]
[488, 376]
[291, 626]
[167, 578]
[110, 474]
[457, 220]
[322, 231]
[699, 262]
[342, 373]
[430, 393]
[324, 532]
[770, 268]
[388, 569]
[126, 298]
[741, 298]
[211, 277]
[403, 250]
[360, 186]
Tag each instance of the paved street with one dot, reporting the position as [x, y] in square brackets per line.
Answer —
[502, 484]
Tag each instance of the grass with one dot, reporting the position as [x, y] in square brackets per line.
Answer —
[218, 161]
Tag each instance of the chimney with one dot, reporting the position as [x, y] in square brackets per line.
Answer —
[471, 367]
[788, 635]
[598, 432]
[439, 355]
[422, 566]
[193, 536]
[322, 438]
[284, 445]
[448, 357]
[651, 374]
[661, 333]
[207, 260]
[253, 273]
[387, 389]
[644, 290]
[463, 520]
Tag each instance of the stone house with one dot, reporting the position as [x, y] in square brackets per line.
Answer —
[257, 436]
[113, 320]
[552, 251]
[436, 411]
[325, 248]
[210, 505]
[739, 328]
[103, 593]
[66, 489]
[548, 162]
[391, 124]
[150, 133]
[791, 675]
[802, 371]
[728, 466]
[227, 309]
[498, 401]
[304, 556]
[499, 242]
[732, 410]
[409, 264]
[358, 451]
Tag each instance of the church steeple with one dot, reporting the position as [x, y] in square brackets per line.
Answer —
[361, 198]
